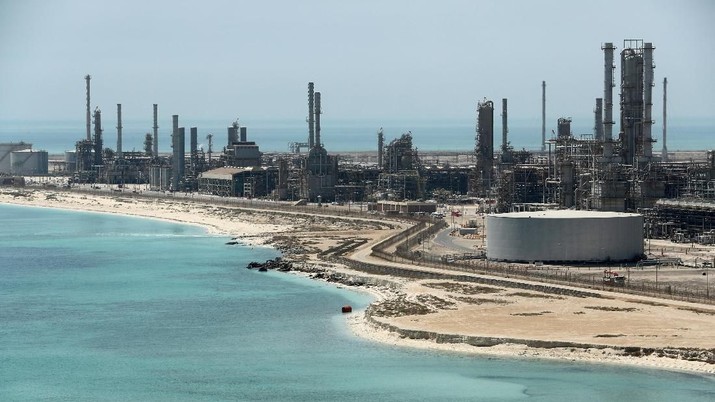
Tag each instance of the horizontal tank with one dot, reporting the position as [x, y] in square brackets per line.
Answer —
[564, 236]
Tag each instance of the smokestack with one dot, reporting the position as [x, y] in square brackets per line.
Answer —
[311, 121]
[98, 137]
[156, 131]
[174, 129]
[543, 116]
[380, 147]
[647, 99]
[119, 130]
[194, 145]
[89, 117]
[317, 120]
[598, 127]
[664, 151]
[504, 128]
[608, 85]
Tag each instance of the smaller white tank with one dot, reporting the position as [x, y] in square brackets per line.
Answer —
[29, 163]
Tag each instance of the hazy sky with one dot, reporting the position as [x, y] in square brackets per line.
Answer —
[379, 59]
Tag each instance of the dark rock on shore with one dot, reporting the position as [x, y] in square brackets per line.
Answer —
[277, 263]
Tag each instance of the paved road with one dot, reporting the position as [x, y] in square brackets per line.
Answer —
[445, 240]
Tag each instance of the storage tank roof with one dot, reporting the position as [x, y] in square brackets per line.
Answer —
[563, 214]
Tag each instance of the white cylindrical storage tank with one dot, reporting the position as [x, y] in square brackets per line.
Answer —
[71, 161]
[5, 149]
[29, 163]
[564, 236]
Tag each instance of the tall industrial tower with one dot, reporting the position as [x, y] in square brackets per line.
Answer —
[119, 131]
[485, 147]
[636, 101]
[608, 85]
[311, 116]
[543, 116]
[89, 116]
[664, 151]
[156, 132]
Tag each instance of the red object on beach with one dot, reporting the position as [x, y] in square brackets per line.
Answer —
[347, 309]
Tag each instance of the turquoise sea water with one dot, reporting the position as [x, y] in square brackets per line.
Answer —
[99, 307]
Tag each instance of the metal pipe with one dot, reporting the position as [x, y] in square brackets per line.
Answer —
[119, 130]
[647, 99]
[311, 121]
[608, 85]
[664, 151]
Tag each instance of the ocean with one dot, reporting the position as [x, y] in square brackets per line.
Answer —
[274, 135]
[99, 307]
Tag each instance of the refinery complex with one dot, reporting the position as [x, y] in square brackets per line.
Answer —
[614, 169]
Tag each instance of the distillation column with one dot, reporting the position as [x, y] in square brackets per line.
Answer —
[98, 137]
[119, 131]
[485, 146]
[380, 148]
[311, 121]
[647, 100]
[598, 127]
[608, 85]
[317, 142]
[89, 117]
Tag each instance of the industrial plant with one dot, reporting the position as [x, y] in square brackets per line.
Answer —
[612, 169]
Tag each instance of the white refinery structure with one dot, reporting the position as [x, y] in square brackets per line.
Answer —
[564, 236]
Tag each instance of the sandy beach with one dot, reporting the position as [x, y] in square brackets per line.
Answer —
[507, 318]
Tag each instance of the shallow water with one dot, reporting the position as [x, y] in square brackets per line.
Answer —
[102, 307]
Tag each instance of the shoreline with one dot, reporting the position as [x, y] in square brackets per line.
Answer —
[251, 229]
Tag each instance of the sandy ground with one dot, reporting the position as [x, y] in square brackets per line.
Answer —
[515, 315]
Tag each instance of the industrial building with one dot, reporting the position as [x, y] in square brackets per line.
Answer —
[612, 168]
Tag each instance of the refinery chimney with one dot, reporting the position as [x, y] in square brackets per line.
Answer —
[98, 137]
[380, 148]
[664, 151]
[156, 131]
[311, 121]
[119, 131]
[543, 116]
[89, 117]
[317, 142]
[608, 85]
[504, 128]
